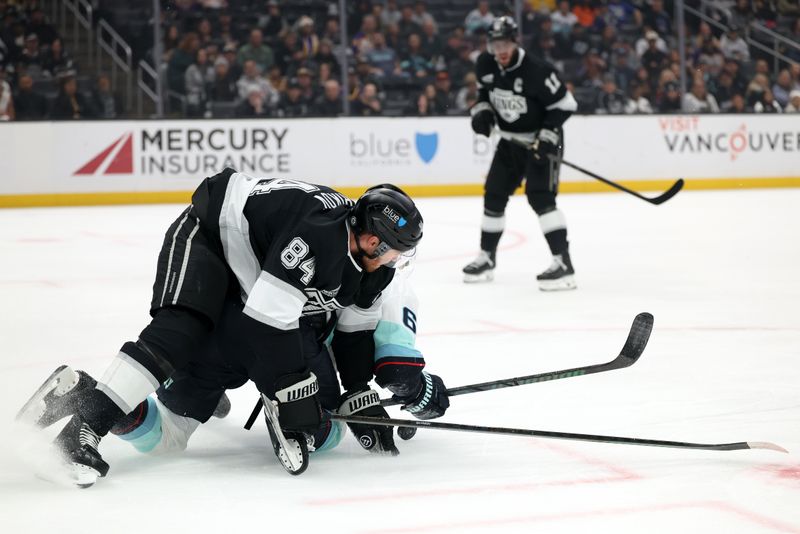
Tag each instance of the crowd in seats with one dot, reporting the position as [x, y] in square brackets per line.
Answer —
[264, 58]
[39, 79]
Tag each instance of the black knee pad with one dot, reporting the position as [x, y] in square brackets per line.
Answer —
[542, 201]
[173, 337]
[495, 203]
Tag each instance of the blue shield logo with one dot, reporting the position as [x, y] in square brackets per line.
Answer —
[426, 145]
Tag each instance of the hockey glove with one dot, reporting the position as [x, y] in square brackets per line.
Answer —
[366, 402]
[482, 119]
[298, 404]
[430, 401]
[546, 145]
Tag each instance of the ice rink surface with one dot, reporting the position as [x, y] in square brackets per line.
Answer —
[718, 270]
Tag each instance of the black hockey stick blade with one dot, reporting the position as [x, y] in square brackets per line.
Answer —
[620, 440]
[668, 194]
[634, 347]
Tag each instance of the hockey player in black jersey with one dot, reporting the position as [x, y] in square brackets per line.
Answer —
[237, 272]
[523, 97]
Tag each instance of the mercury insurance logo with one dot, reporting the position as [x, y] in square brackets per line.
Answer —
[188, 152]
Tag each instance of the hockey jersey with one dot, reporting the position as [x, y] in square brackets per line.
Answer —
[526, 96]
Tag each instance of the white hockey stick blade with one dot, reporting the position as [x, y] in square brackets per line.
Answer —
[766, 445]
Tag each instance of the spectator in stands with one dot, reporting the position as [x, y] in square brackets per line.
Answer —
[329, 103]
[291, 103]
[654, 60]
[479, 19]
[229, 53]
[31, 58]
[738, 104]
[724, 90]
[368, 103]
[6, 100]
[390, 14]
[28, 104]
[256, 50]
[656, 18]
[253, 106]
[394, 40]
[610, 101]
[764, 12]
[782, 87]
[670, 98]
[794, 102]
[462, 65]
[563, 19]
[585, 12]
[793, 52]
[363, 40]
[182, 57]
[626, 17]
[276, 78]
[55, 59]
[638, 102]
[431, 42]
[197, 78]
[203, 30]
[70, 104]
[225, 33]
[39, 26]
[467, 96]
[703, 38]
[574, 46]
[733, 46]
[732, 67]
[223, 88]
[272, 23]
[252, 82]
[741, 13]
[172, 38]
[288, 53]
[445, 99]
[767, 103]
[107, 104]
[309, 42]
[421, 107]
[698, 100]
[407, 24]
[331, 31]
[624, 74]
[382, 59]
[307, 89]
[415, 64]
[421, 16]
[643, 43]
[326, 55]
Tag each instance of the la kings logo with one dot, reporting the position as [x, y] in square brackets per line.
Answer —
[508, 105]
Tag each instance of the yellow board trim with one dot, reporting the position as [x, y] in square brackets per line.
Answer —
[183, 197]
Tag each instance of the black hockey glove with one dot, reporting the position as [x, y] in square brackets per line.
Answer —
[482, 119]
[298, 403]
[430, 400]
[366, 402]
[546, 144]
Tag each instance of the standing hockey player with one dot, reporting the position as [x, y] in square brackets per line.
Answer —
[240, 267]
[524, 97]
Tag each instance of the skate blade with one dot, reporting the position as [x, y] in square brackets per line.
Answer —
[487, 276]
[565, 283]
[60, 382]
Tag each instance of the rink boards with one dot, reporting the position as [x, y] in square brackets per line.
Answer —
[97, 162]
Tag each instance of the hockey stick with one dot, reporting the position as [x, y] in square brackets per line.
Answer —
[660, 199]
[556, 435]
[633, 348]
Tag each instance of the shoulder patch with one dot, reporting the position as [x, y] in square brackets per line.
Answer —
[487, 78]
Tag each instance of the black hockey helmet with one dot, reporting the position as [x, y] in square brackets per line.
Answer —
[389, 213]
[503, 28]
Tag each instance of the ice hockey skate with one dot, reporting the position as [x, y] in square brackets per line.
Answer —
[77, 443]
[291, 448]
[481, 269]
[560, 276]
[56, 398]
